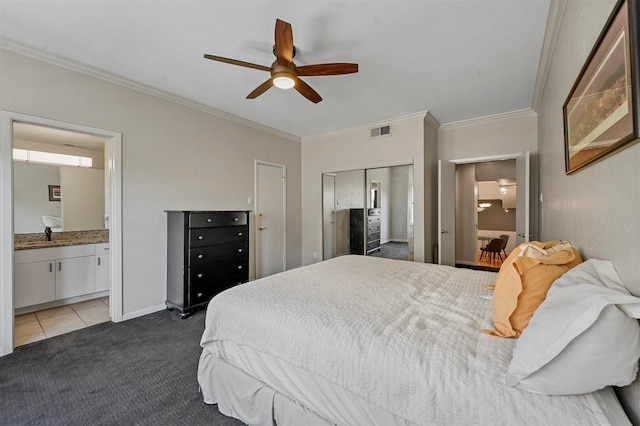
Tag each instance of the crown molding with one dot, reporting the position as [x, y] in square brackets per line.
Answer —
[556, 11]
[59, 61]
[368, 126]
[488, 119]
[429, 118]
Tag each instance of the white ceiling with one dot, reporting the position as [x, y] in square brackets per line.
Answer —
[458, 59]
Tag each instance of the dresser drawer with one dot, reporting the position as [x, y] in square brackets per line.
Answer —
[372, 236]
[219, 253]
[372, 245]
[224, 272]
[373, 212]
[214, 219]
[373, 227]
[373, 219]
[212, 236]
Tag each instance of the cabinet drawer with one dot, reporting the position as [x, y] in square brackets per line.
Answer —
[373, 212]
[373, 227]
[372, 245]
[373, 219]
[232, 252]
[213, 236]
[373, 236]
[202, 292]
[213, 219]
[219, 272]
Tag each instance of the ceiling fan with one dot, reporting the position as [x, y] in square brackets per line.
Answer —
[284, 73]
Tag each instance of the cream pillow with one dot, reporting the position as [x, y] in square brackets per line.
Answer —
[583, 337]
[523, 282]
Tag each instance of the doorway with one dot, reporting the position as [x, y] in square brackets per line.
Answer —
[270, 217]
[458, 216]
[113, 161]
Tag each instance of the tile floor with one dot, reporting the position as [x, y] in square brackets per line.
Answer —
[47, 323]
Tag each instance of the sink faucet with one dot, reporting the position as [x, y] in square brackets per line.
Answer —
[47, 233]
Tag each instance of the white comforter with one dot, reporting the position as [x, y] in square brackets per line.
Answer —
[405, 336]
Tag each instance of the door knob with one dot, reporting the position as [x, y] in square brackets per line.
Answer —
[444, 231]
[262, 228]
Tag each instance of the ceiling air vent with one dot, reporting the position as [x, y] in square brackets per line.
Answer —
[380, 131]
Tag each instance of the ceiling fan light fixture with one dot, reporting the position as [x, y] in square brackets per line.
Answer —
[283, 82]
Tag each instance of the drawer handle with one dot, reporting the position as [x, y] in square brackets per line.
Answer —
[199, 275]
[199, 294]
[50, 267]
[200, 237]
[98, 261]
[235, 219]
[200, 256]
[239, 250]
[239, 266]
[239, 234]
[59, 266]
[209, 220]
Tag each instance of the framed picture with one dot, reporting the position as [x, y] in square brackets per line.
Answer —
[54, 193]
[601, 113]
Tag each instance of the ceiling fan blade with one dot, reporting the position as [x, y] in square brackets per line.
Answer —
[327, 69]
[306, 91]
[260, 89]
[284, 43]
[236, 62]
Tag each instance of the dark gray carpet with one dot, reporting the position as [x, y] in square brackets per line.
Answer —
[393, 250]
[137, 372]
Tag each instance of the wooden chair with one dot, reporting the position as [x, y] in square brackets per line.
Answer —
[505, 237]
[494, 247]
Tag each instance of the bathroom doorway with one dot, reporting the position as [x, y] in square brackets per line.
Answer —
[11, 127]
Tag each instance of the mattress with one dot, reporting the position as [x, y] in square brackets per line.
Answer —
[363, 340]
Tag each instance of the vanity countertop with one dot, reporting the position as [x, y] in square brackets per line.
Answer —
[60, 239]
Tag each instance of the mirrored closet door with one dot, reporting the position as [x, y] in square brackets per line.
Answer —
[368, 212]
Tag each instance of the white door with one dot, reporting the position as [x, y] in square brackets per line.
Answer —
[270, 219]
[523, 174]
[328, 216]
[446, 213]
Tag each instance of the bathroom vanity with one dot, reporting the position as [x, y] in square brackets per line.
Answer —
[72, 267]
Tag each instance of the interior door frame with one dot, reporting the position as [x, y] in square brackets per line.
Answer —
[114, 164]
[527, 233]
[257, 163]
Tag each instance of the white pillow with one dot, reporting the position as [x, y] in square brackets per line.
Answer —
[582, 338]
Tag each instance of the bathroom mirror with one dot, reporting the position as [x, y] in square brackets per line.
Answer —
[79, 202]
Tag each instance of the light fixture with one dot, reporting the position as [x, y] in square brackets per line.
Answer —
[283, 82]
[503, 189]
[283, 77]
[483, 206]
[30, 156]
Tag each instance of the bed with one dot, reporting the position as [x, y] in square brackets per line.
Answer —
[358, 340]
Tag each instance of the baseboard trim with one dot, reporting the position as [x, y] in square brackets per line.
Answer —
[142, 312]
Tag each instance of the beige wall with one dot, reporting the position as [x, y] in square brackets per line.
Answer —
[355, 149]
[595, 208]
[173, 157]
[496, 136]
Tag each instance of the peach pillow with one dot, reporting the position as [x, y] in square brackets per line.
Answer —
[523, 281]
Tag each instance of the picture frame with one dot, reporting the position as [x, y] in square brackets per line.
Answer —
[54, 193]
[601, 114]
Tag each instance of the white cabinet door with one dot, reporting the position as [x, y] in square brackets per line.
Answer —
[74, 276]
[34, 283]
[102, 272]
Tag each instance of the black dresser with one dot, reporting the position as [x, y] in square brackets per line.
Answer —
[364, 234]
[373, 230]
[208, 252]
